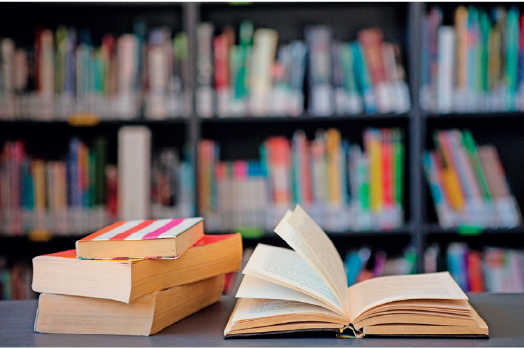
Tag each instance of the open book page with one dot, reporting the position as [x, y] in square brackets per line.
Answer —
[370, 293]
[286, 267]
[253, 287]
[248, 308]
[301, 232]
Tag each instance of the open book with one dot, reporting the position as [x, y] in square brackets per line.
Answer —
[305, 290]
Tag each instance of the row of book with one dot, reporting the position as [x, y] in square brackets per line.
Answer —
[254, 76]
[85, 192]
[339, 185]
[15, 281]
[133, 277]
[468, 183]
[66, 73]
[477, 64]
[76, 195]
[364, 264]
[491, 269]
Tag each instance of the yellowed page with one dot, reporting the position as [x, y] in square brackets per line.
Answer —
[248, 308]
[253, 287]
[286, 267]
[301, 232]
[370, 293]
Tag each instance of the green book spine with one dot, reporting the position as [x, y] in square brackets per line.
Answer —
[484, 48]
[346, 60]
[512, 42]
[363, 173]
[469, 144]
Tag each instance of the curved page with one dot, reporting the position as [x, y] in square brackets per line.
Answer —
[370, 293]
[286, 267]
[253, 287]
[301, 232]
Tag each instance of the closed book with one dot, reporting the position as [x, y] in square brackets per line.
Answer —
[126, 280]
[167, 238]
[145, 316]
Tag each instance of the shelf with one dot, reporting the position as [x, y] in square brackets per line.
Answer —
[109, 122]
[454, 115]
[436, 230]
[303, 118]
[404, 230]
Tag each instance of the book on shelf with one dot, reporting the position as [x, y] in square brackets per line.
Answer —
[134, 175]
[126, 280]
[491, 269]
[78, 192]
[166, 238]
[145, 316]
[15, 280]
[475, 64]
[340, 185]
[260, 77]
[305, 289]
[66, 196]
[468, 183]
[363, 264]
[72, 76]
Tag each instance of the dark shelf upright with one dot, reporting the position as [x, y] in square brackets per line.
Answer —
[416, 131]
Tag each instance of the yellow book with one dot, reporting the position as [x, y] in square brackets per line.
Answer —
[452, 187]
[372, 140]
[333, 165]
[38, 171]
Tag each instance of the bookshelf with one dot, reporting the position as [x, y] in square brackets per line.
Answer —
[240, 137]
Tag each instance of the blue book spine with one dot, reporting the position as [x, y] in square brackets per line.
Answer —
[70, 79]
[363, 79]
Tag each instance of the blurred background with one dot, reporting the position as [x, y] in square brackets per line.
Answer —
[395, 125]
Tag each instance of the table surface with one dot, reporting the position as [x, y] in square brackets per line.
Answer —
[504, 314]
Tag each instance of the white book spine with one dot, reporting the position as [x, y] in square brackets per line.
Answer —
[134, 164]
[446, 69]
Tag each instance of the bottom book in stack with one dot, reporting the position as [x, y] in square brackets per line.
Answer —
[144, 316]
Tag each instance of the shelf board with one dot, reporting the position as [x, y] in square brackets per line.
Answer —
[302, 118]
[495, 114]
[404, 230]
[137, 121]
[436, 229]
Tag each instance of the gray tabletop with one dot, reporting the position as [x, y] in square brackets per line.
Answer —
[504, 314]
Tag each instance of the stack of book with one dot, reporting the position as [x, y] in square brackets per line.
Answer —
[133, 277]
[468, 183]
[335, 181]
[258, 78]
[490, 269]
[475, 65]
[64, 74]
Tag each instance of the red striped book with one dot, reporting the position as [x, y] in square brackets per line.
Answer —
[160, 238]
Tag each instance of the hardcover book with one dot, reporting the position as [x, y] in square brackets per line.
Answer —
[305, 290]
